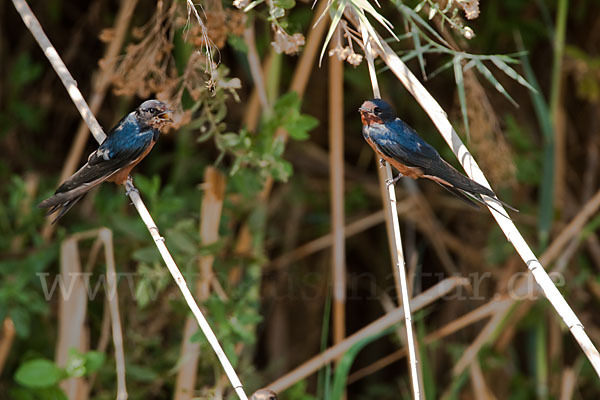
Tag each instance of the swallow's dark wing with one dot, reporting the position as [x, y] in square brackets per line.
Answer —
[400, 142]
[101, 164]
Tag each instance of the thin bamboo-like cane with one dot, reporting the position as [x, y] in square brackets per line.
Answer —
[440, 119]
[400, 264]
[336, 179]
[34, 26]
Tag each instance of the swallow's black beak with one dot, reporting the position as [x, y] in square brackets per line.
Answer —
[166, 115]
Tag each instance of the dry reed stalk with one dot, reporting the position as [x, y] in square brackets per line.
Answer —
[396, 250]
[470, 353]
[72, 307]
[568, 383]
[112, 297]
[556, 248]
[35, 28]
[325, 241]
[439, 118]
[397, 315]
[210, 218]
[481, 390]
[8, 336]
[448, 329]
[99, 88]
[252, 114]
[255, 69]
[336, 174]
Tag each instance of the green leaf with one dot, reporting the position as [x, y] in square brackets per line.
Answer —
[285, 103]
[147, 254]
[343, 367]
[458, 77]
[38, 373]
[490, 77]
[418, 48]
[75, 364]
[299, 127]
[335, 19]
[140, 374]
[21, 319]
[287, 4]
[237, 42]
[93, 361]
[508, 70]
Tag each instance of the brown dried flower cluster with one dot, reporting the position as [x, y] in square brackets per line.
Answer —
[471, 8]
[346, 54]
[285, 43]
[147, 66]
[219, 24]
[241, 4]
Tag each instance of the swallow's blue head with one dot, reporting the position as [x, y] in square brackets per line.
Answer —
[376, 111]
[153, 113]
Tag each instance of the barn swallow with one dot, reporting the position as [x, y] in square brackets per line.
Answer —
[397, 143]
[124, 147]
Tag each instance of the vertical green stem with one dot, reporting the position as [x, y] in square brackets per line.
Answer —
[547, 189]
[541, 360]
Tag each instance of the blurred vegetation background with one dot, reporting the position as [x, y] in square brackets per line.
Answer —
[252, 156]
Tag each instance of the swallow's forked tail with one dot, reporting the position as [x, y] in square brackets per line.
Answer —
[62, 202]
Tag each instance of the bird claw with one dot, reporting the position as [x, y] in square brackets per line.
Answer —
[392, 181]
[382, 163]
[129, 188]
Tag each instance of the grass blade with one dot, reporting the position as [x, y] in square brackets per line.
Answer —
[508, 70]
[335, 19]
[418, 48]
[460, 85]
[487, 74]
[343, 367]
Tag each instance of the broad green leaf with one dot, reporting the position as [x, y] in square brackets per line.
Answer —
[299, 127]
[38, 373]
[288, 101]
[93, 361]
[75, 364]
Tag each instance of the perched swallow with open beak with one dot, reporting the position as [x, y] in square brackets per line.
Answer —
[124, 147]
[397, 143]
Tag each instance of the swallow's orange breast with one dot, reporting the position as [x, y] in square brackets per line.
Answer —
[121, 175]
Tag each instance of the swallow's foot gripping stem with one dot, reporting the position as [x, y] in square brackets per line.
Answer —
[382, 163]
[129, 188]
[392, 181]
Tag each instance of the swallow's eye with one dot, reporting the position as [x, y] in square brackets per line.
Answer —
[152, 110]
[377, 110]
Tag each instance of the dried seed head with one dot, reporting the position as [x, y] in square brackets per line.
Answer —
[471, 8]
